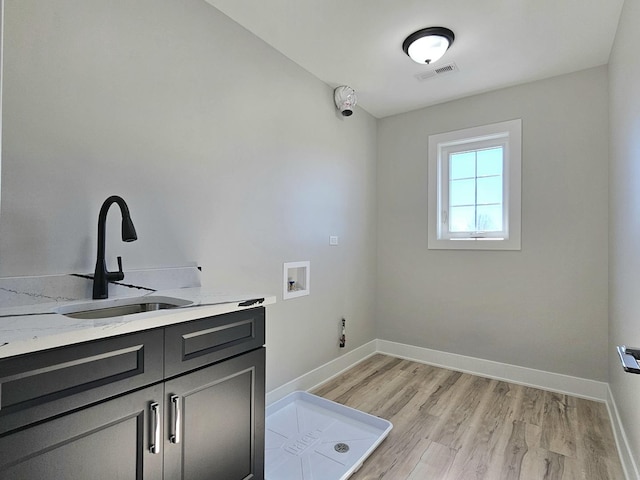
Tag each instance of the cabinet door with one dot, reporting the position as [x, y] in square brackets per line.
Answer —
[219, 412]
[108, 441]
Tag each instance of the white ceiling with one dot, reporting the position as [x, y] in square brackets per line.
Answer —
[498, 43]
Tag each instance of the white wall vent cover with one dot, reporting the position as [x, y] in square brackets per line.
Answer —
[312, 438]
[435, 72]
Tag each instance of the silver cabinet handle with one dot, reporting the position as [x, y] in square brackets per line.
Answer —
[177, 420]
[155, 428]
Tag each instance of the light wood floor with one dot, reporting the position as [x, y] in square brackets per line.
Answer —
[449, 425]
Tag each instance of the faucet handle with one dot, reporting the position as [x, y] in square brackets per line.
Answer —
[119, 275]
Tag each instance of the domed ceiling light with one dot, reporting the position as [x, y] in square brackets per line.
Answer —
[428, 45]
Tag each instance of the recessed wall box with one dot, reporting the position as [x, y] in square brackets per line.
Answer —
[296, 279]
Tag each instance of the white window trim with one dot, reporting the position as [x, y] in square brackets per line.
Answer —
[511, 132]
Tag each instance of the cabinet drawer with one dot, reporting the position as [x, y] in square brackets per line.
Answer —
[39, 385]
[198, 343]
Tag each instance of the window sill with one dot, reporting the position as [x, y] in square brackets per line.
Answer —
[474, 244]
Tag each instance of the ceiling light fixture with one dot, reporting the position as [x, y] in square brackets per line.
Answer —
[428, 45]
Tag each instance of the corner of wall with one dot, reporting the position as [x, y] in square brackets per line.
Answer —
[624, 449]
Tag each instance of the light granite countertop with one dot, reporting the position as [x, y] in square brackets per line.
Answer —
[26, 329]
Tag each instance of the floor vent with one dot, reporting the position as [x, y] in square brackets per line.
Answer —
[435, 72]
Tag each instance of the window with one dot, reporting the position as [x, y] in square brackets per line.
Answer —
[474, 188]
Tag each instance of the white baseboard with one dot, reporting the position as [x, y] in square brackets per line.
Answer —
[556, 382]
[323, 373]
[628, 463]
[578, 387]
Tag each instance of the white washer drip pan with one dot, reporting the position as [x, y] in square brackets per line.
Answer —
[312, 438]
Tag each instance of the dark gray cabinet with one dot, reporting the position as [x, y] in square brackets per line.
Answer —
[216, 421]
[106, 441]
[181, 402]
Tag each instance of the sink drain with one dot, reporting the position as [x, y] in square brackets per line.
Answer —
[341, 447]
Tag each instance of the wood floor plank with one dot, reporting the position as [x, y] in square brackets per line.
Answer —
[465, 411]
[398, 455]
[596, 436]
[515, 451]
[530, 467]
[457, 419]
[559, 427]
[595, 440]
[379, 399]
[353, 376]
[358, 388]
[449, 425]
[440, 400]
[552, 466]
[412, 412]
[434, 463]
[539, 463]
[532, 406]
[413, 369]
[488, 437]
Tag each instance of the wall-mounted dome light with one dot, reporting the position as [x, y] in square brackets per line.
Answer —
[428, 45]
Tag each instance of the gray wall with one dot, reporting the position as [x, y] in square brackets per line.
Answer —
[233, 157]
[228, 154]
[544, 307]
[624, 214]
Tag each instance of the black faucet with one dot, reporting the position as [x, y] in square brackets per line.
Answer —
[101, 276]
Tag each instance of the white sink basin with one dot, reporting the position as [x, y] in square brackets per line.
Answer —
[121, 306]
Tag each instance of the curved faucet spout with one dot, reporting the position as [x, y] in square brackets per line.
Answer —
[102, 276]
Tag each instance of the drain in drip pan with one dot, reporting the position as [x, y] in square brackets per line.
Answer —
[341, 448]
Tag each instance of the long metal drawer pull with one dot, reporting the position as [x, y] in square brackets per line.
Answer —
[177, 420]
[155, 429]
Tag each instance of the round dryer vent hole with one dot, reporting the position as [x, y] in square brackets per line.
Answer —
[341, 448]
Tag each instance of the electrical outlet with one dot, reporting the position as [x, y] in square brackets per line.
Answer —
[333, 240]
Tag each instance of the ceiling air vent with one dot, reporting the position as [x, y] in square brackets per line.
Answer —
[435, 72]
